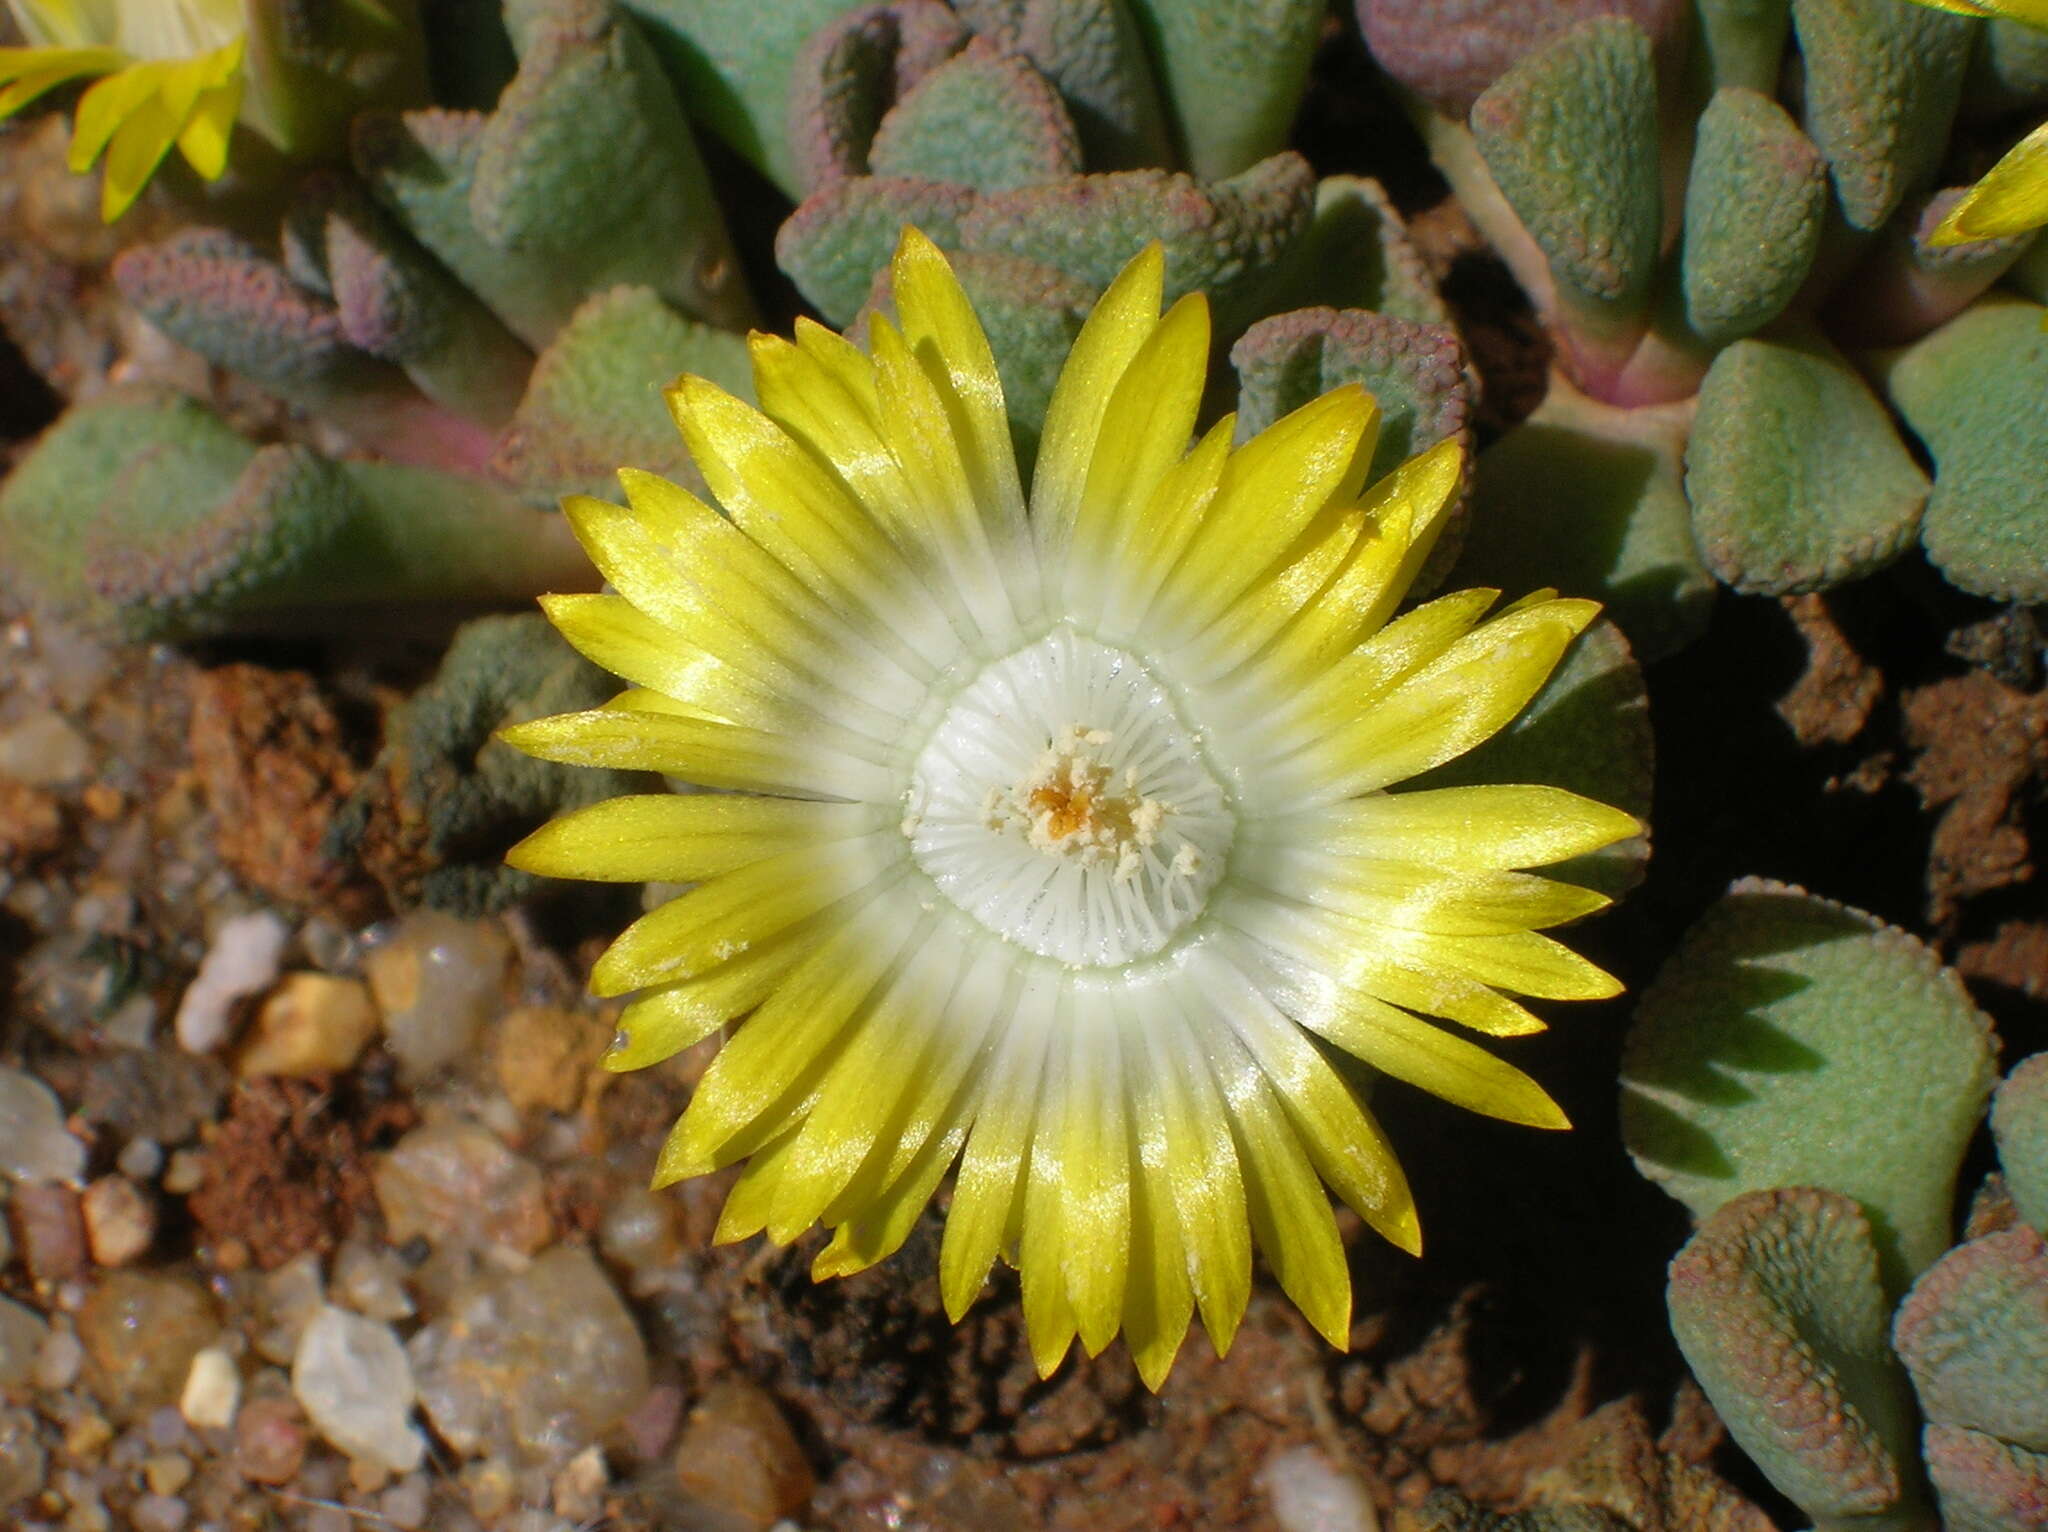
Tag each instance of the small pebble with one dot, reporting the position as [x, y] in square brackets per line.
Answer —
[242, 961]
[291, 1296]
[43, 750]
[133, 1024]
[353, 1379]
[404, 1504]
[141, 1331]
[60, 1361]
[578, 1490]
[120, 1220]
[167, 1472]
[35, 1146]
[544, 1056]
[532, 1367]
[212, 1389]
[158, 1513]
[165, 1428]
[371, 1280]
[437, 980]
[457, 1185]
[738, 1455]
[141, 1158]
[270, 1440]
[328, 1518]
[23, 1333]
[22, 1459]
[311, 1024]
[639, 1231]
[52, 1234]
[185, 1173]
[1309, 1493]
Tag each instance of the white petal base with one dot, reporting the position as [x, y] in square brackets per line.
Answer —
[1063, 803]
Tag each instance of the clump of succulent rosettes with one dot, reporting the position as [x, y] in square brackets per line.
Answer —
[1050, 834]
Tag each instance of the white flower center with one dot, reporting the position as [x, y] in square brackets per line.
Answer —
[1062, 802]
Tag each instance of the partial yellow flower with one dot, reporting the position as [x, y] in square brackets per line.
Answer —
[1056, 837]
[2013, 196]
[170, 72]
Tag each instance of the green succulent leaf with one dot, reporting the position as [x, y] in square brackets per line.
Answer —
[1796, 476]
[1777, 1306]
[1570, 137]
[1793, 1041]
[1754, 207]
[595, 399]
[1985, 1485]
[1976, 394]
[1882, 82]
[1974, 1334]
[984, 119]
[1233, 72]
[2019, 1123]
[1594, 496]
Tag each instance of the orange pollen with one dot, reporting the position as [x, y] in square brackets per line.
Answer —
[1067, 808]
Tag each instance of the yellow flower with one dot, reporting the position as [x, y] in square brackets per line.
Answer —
[2013, 196]
[1053, 836]
[170, 72]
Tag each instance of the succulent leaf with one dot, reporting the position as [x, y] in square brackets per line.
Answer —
[1882, 82]
[2019, 1122]
[1594, 495]
[595, 399]
[1985, 1485]
[1976, 394]
[1743, 42]
[143, 513]
[1232, 72]
[1751, 1065]
[1797, 478]
[984, 119]
[732, 63]
[843, 233]
[852, 71]
[1092, 51]
[1357, 254]
[1448, 51]
[433, 818]
[1974, 1334]
[1777, 1305]
[1570, 137]
[1754, 207]
[587, 165]
[1226, 239]
[397, 302]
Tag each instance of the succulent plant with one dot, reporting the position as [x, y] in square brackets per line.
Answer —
[1718, 276]
[144, 513]
[435, 813]
[1821, 1162]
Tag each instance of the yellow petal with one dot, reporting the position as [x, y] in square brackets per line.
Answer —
[682, 838]
[662, 1022]
[879, 1229]
[704, 751]
[1465, 696]
[140, 143]
[25, 73]
[1120, 323]
[986, 1188]
[722, 918]
[1434, 1060]
[763, 1080]
[942, 330]
[1145, 431]
[1488, 826]
[1272, 487]
[2012, 197]
[1158, 1301]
